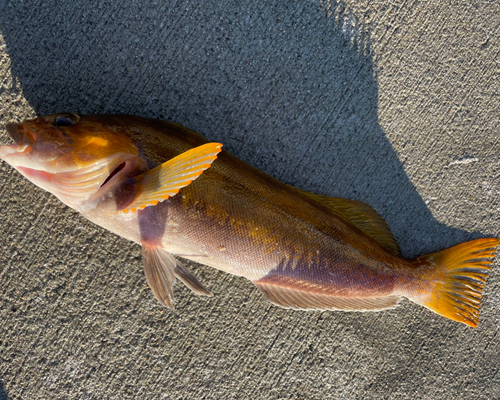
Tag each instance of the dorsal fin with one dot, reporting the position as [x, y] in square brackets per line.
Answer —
[302, 300]
[363, 216]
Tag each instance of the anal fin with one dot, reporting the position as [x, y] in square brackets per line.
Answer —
[302, 300]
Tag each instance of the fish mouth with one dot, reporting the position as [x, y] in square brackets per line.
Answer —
[21, 137]
[10, 152]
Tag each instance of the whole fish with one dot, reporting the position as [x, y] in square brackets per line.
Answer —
[301, 250]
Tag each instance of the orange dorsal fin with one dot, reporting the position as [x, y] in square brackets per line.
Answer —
[363, 217]
[299, 299]
[167, 179]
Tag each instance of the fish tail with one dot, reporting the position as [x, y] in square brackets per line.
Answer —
[456, 279]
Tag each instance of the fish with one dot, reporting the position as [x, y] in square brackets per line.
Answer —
[169, 189]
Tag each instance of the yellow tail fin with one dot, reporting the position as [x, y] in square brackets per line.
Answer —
[459, 279]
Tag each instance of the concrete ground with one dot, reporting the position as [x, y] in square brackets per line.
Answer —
[395, 103]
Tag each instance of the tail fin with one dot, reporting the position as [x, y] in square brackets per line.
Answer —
[459, 279]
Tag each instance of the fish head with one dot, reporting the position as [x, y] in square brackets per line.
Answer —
[73, 157]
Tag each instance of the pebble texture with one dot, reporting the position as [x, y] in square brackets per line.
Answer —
[395, 103]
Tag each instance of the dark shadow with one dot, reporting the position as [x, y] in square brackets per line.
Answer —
[288, 91]
[3, 393]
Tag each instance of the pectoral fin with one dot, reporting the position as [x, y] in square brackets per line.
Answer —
[288, 297]
[159, 267]
[363, 216]
[167, 179]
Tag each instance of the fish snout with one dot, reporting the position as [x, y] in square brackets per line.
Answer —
[14, 132]
[20, 136]
[15, 153]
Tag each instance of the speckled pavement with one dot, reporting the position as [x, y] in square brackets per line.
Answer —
[395, 103]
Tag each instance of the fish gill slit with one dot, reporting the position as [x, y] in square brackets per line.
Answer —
[115, 171]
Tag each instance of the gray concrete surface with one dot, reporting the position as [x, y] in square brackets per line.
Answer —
[395, 103]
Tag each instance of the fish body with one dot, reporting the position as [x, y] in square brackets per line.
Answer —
[301, 250]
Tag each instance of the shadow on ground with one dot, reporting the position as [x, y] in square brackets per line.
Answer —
[3, 393]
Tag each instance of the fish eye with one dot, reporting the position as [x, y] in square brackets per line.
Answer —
[66, 120]
[63, 121]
